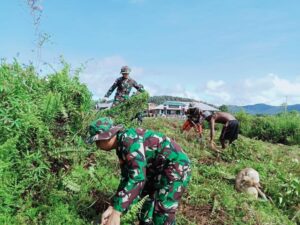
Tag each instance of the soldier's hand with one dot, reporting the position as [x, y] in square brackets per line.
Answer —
[105, 216]
[114, 218]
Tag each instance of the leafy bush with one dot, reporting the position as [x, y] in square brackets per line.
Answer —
[281, 128]
[124, 112]
[37, 117]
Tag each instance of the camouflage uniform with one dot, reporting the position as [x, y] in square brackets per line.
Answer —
[151, 164]
[124, 87]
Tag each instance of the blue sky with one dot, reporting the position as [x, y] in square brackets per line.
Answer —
[220, 51]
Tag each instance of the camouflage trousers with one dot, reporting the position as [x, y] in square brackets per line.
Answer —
[119, 99]
[164, 194]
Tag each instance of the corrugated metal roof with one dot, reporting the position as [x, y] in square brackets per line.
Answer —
[205, 107]
[177, 103]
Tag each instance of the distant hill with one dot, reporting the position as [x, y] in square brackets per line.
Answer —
[162, 98]
[263, 108]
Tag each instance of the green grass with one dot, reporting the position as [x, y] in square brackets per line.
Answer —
[212, 178]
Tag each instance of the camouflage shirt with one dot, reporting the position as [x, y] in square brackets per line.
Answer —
[144, 156]
[124, 87]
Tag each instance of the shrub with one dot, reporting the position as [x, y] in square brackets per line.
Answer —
[281, 128]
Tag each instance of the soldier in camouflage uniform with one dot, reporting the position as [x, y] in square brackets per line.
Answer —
[124, 85]
[151, 164]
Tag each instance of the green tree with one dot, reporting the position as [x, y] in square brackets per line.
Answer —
[224, 108]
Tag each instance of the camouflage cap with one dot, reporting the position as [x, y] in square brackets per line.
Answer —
[125, 69]
[102, 129]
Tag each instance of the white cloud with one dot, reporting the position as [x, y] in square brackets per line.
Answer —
[270, 89]
[286, 87]
[213, 85]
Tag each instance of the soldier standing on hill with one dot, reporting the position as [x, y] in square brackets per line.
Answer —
[151, 164]
[230, 129]
[124, 85]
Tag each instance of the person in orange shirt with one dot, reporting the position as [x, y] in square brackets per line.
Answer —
[193, 120]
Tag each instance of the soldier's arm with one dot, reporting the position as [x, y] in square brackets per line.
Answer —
[133, 181]
[112, 88]
[137, 86]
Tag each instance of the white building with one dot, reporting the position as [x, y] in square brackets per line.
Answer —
[176, 108]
